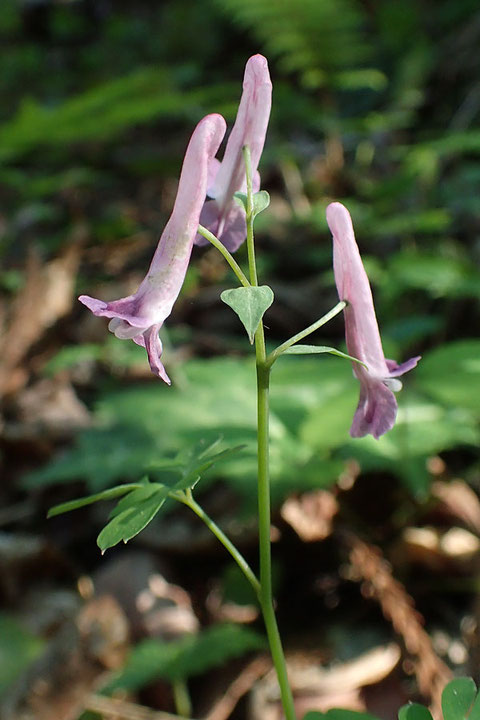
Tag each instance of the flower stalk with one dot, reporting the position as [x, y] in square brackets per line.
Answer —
[188, 500]
[307, 331]
[226, 254]
[263, 478]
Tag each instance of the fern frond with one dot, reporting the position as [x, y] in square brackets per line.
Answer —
[323, 40]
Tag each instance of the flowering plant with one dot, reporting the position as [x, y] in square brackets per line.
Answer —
[226, 220]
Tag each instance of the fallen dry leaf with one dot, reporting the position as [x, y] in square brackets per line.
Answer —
[311, 514]
[460, 501]
[323, 688]
[46, 296]
[440, 550]
[48, 409]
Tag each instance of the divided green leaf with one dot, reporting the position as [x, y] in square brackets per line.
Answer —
[143, 500]
[250, 304]
[317, 349]
[109, 494]
[198, 460]
[132, 514]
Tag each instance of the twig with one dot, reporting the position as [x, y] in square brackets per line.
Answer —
[241, 685]
[398, 607]
[121, 710]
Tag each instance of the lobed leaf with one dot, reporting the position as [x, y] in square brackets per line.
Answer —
[109, 494]
[132, 514]
[317, 349]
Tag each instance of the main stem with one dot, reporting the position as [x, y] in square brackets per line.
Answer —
[264, 521]
[266, 596]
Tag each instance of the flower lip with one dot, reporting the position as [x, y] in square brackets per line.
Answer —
[113, 310]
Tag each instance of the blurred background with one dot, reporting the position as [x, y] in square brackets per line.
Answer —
[376, 104]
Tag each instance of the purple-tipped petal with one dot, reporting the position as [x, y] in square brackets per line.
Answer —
[250, 129]
[96, 306]
[128, 309]
[140, 316]
[377, 407]
[395, 370]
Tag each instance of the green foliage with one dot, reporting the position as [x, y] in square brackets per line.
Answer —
[458, 700]
[110, 494]
[18, 648]
[318, 350]
[144, 500]
[250, 304]
[339, 714]
[180, 659]
[132, 514]
[414, 711]
[137, 426]
[98, 114]
[236, 588]
[324, 40]
[432, 273]
[451, 375]
[313, 401]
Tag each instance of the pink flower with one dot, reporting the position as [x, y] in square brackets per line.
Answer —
[139, 317]
[377, 406]
[222, 215]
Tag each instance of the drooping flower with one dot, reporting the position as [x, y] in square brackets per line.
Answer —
[140, 316]
[377, 406]
[222, 215]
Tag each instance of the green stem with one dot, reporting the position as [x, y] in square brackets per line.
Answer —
[264, 521]
[188, 499]
[226, 254]
[303, 333]
[181, 698]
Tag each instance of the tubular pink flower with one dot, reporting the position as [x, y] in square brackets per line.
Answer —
[377, 406]
[221, 215]
[140, 316]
